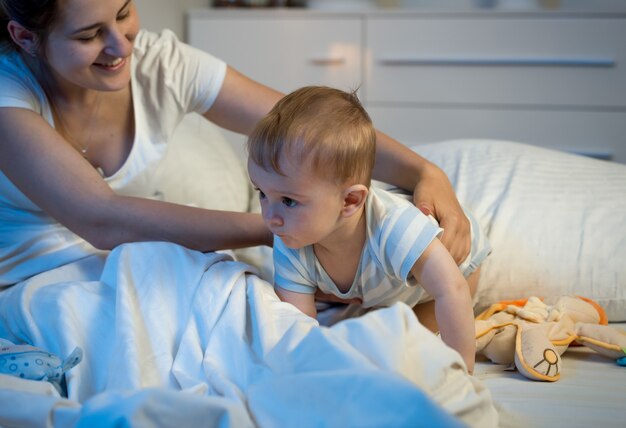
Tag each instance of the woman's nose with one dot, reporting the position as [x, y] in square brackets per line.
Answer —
[117, 44]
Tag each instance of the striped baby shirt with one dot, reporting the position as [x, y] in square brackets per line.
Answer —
[397, 233]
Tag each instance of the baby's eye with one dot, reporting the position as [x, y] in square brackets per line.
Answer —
[290, 203]
[261, 194]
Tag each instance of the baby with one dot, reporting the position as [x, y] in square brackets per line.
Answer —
[311, 160]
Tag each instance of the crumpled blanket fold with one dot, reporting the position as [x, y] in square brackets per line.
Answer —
[169, 334]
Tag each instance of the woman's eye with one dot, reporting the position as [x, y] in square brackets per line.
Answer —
[123, 16]
[290, 203]
[88, 38]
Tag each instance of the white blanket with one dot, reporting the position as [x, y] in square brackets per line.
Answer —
[173, 337]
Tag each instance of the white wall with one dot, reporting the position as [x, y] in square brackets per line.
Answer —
[156, 15]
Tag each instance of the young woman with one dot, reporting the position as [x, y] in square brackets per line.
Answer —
[88, 103]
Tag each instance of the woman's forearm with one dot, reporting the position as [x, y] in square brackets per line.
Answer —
[432, 191]
[397, 164]
[241, 103]
[127, 219]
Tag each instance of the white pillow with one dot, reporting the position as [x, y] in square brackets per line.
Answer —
[556, 221]
[202, 169]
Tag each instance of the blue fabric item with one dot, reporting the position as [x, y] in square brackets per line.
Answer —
[621, 361]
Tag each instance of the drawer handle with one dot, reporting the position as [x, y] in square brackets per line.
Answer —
[335, 60]
[503, 61]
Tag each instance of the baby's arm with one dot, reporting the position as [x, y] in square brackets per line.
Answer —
[437, 272]
[303, 301]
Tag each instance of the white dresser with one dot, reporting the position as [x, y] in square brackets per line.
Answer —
[550, 78]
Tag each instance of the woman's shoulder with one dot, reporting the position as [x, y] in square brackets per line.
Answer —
[158, 54]
[152, 49]
[166, 49]
[165, 70]
[19, 86]
[147, 40]
[155, 58]
[12, 66]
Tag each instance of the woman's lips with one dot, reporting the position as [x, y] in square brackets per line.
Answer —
[114, 65]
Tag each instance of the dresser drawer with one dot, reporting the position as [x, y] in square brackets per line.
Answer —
[542, 61]
[284, 53]
[596, 133]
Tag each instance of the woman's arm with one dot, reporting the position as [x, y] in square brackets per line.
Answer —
[56, 178]
[441, 278]
[432, 191]
[242, 102]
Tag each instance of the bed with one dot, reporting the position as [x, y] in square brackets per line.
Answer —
[557, 223]
[173, 337]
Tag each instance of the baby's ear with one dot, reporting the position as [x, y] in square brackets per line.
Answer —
[353, 199]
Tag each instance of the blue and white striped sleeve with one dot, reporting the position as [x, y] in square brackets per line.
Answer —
[290, 271]
[405, 234]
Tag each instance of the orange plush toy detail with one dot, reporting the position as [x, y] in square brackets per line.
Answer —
[534, 333]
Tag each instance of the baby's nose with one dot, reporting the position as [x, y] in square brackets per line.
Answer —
[276, 221]
[273, 218]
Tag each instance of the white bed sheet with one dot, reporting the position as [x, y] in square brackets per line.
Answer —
[172, 337]
[141, 352]
[557, 226]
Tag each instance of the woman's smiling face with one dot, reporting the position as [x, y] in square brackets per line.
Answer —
[91, 42]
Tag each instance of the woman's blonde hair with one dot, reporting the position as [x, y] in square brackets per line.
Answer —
[326, 126]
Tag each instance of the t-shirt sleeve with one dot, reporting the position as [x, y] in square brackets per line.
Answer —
[404, 235]
[204, 75]
[186, 76]
[290, 272]
[16, 92]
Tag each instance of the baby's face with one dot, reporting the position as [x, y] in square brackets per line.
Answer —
[299, 207]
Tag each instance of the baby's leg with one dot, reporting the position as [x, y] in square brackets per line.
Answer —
[425, 312]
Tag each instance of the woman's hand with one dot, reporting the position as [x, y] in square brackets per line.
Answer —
[432, 191]
[434, 195]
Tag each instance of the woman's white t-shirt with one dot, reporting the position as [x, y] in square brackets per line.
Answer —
[169, 79]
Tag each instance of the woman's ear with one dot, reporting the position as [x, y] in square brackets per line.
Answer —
[353, 199]
[23, 37]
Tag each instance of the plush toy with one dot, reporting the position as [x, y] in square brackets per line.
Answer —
[534, 333]
[29, 362]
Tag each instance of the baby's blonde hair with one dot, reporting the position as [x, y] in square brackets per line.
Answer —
[326, 126]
